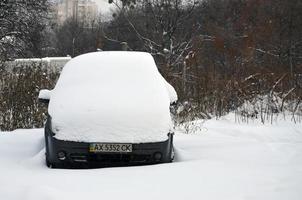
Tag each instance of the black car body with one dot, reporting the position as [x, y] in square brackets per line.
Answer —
[77, 154]
[61, 153]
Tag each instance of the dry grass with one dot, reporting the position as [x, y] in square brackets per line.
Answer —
[19, 89]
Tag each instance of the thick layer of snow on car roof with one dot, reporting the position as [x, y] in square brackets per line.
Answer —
[111, 97]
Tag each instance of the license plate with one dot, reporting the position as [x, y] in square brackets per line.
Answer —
[108, 147]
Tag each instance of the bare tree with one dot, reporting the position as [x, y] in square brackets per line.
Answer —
[18, 21]
[76, 37]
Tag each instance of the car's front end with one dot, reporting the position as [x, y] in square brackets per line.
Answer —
[71, 154]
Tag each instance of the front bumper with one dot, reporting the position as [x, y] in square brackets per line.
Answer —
[78, 155]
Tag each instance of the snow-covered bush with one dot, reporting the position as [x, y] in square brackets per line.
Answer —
[267, 108]
[19, 88]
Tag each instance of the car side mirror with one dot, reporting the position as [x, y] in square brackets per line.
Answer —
[44, 96]
[174, 103]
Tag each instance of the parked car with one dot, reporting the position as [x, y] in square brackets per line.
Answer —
[109, 109]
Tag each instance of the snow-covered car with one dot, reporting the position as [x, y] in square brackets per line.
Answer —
[109, 109]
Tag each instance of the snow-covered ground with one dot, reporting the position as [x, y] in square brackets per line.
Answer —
[224, 160]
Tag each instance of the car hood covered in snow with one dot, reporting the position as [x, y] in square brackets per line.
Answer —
[111, 97]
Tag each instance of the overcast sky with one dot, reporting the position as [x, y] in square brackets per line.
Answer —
[104, 6]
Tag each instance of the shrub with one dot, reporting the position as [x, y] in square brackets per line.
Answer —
[19, 89]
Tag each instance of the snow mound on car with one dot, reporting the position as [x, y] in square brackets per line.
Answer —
[111, 97]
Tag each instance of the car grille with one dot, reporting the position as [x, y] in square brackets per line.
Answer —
[117, 158]
[110, 158]
[78, 158]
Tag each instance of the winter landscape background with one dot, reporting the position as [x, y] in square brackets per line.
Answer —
[241, 56]
[235, 64]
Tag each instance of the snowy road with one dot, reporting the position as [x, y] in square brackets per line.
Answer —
[223, 161]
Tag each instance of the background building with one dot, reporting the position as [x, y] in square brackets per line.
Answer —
[82, 10]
